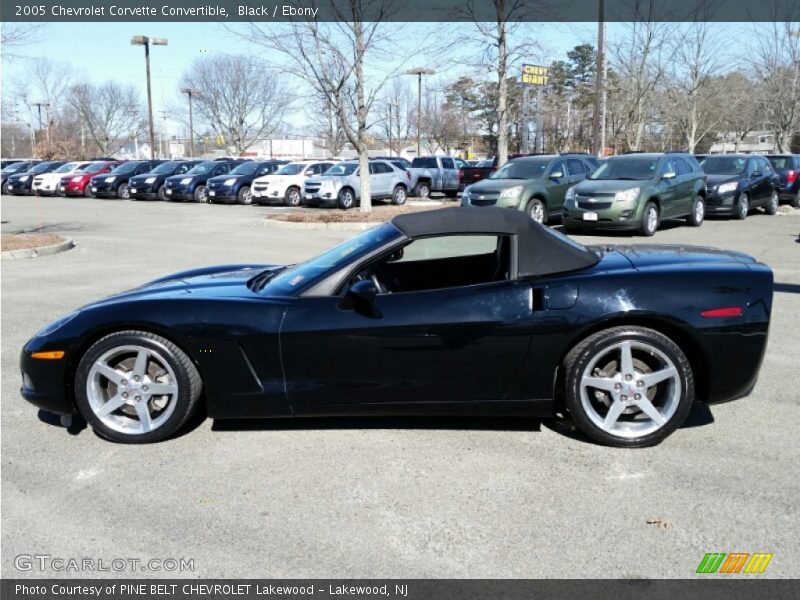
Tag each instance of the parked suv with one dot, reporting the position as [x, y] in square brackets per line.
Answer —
[787, 166]
[49, 184]
[150, 185]
[533, 184]
[340, 185]
[20, 184]
[236, 186]
[116, 183]
[738, 183]
[79, 184]
[286, 184]
[435, 174]
[192, 184]
[22, 166]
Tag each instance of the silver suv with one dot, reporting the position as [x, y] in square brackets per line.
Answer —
[340, 185]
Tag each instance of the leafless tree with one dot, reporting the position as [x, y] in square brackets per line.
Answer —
[110, 112]
[333, 59]
[241, 97]
[396, 110]
[14, 36]
[325, 125]
[440, 122]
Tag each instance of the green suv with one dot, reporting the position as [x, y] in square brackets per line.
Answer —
[534, 184]
[637, 191]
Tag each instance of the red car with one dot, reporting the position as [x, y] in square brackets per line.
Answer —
[77, 184]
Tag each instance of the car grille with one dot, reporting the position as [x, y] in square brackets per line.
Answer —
[312, 188]
[38, 181]
[259, 187]
[484, 202]
[585, 205]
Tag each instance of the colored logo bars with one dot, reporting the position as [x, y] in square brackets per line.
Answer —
[735, 562]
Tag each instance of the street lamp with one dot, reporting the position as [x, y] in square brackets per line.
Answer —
[189, 92]
[419, 72]
[397, 106]
[143, 40]
[39, 105]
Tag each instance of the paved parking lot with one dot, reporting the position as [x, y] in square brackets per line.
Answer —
[382, 497]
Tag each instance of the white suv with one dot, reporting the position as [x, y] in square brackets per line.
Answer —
[286, 184]
[48, 184]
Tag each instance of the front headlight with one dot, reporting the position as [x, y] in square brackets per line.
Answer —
[627, 195]
[727, 188]
[57, 324]
[77, 179]
[150, 180]
[512, 192]
[230, 181]
[110, 179]
[186, 180]
[570, 195]
[24, 178]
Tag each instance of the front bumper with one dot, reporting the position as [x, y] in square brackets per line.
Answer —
[44, 382]
[319, 197]
[789, 192]
[19, 189]
[179, 192]
[221, 193]
[104, 189]
[721, 205]
[620, 218]
[142, 191]
[45, 190]
[268, 195]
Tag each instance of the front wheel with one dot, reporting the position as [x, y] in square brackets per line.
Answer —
[200, 194]
[649, 223]
[346, 199]
[136, 387]
[5, 189]
[742, 206]
[698, 214]
[537, 211]
[772, 204]
[292, 197]
[399, 195]
[628, 386]
[123, 193]
[162, 193]
[87, 191]
[244, 196]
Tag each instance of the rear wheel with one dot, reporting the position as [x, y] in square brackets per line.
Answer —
[537, 211]
[200, 194]
[5, 190]
[698, 214]
[244, 196]
[742, 206]
[292, 197]
[423, 190]
[87, 191]
[136, 387]
[628, 386]
[772, 204]
[649, 223]
[399, 195]
[347, 199]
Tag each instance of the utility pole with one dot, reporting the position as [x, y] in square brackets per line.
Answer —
[189, 92]
[419, 72]
[39, 105]
[599, 117]
[390, 129]
[525, 121]
[143, 40]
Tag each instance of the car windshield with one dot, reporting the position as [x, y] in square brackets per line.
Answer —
[486, 164]
[44, 167]
[202, 168]
[521, 169]
[291, 169]
[780, 162]
[636, 168]
[247, 168]
[16, 167]
[723, 165]
[342, 169]
[89, 167]
[166, 168]
[66, 168]
[124, 168]
[292, 279]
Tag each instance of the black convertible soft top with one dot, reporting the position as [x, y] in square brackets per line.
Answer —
[541, 250]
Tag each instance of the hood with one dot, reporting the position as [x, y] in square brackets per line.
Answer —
[143, 177]
[498, 185]
[177, 178]
[718, 179]
[16, 176]
[222, 281]
[643, 256]
[609, 185]
[224, 178]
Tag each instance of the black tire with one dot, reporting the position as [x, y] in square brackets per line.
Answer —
[422, 190]
[244, 196]
[742, 206]
[346, 199]
[188, 382]
[293, 197]
[698, 214]
[451, 193]
[162, 193]
[87, 191]
[123, 192]
[795, 202]
[581, 356]
[649, 223]
[771, 207]
[536, 209]
[200, 194]
[5, 190]
[399, 195]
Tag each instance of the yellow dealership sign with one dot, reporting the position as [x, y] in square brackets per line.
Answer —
[534, 75]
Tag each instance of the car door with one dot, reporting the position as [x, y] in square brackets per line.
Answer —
[449, 174]
[558, 183]
[670, 188]
[220, 169]
[377, 180]
[685, 185]
[767, 178]
[459, 344]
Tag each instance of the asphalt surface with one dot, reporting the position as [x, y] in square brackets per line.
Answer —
[381, 497]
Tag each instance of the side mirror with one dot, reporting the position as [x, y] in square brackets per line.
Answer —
[755, 174]
[556, 175]
[668, 175]
[361, 298]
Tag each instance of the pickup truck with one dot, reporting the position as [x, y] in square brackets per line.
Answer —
[434, 174]
[472, 173]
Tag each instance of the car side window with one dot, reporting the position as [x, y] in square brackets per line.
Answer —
[373, 169]
[447, 163]
[143, 168]
[668, 166]
[681, 166]
[182, 169]
[764, 166]
[222, 169]
[558, 167]
[265, 170]
[576, 167]
[751, 167]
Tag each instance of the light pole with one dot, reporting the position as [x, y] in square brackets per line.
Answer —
[599, 119]
[39, 105]
[419, 72]
[143, 40]
[397, 106]
[189, 92]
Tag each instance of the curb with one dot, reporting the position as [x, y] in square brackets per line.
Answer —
[335, 226]
[40, 251]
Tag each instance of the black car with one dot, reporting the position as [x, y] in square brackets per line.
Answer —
[192, 184]
[737, 183]
[787, 166]
[115, 183]
[151, 185]
[235, 186]
[19, 184]
[469, 311]
[9, 161]
[15, 168]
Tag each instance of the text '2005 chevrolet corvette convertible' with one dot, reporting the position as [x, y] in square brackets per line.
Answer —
[463, 311]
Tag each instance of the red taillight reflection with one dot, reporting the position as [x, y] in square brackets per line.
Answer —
[791, 176]
[727, 311]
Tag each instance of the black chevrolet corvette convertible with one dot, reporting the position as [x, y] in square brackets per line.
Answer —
[462, 311]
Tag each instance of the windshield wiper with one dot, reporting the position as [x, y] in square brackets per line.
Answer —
[258, 282]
